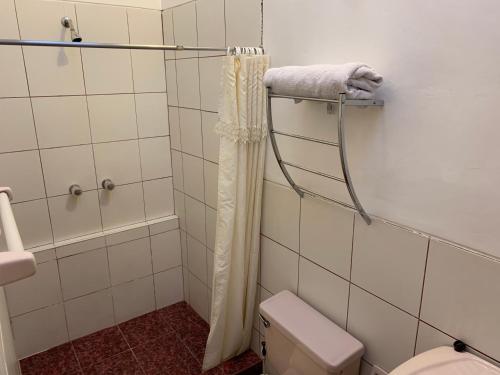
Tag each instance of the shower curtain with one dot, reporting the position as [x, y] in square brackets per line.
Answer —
[242, 128]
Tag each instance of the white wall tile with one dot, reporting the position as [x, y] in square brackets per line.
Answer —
[12, 75]
[148, 66]
[84, 273]
[75, 216]
[211, 24]
[211, 223]
[429, 338]
[43, 256]
[155, 157]
[166, 250]
[122, 236]
[39, 330]
[185, 28]
[22, 172]
[390, 262]
[33, 222]
[387, 332]
[61, 121]
[177, 170]
[185, 281]
[274, 257]
[459, 285]
[168, 32]
[171, 74]
[280, 215]
[107, 71]
[193, 176]
[158, 198]
[198, 296]
[130, 261]
[210, 138]
[122, 206]
[152, 114]
[168, 287]
[210, 83]
[65, 166]
[175, 130]
[184, 250]
[211, 171]
[40, 290]
[323, 290]
[148, 69]
[190, 130]
[326, 235]
[18, 129]
[89, 313]
[188, 83]
[163, 225]
[180, 209]
[195, 219]
[51, 71]
[80, 247]
[118, 161]
[197, 259]
[133, 299]
[243, 20]
[112, 117]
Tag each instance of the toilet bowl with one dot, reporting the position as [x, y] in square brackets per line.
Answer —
[301, 341]
[446, 361]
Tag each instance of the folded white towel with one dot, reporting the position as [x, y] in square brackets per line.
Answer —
[356, 80]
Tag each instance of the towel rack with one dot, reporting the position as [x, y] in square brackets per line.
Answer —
[341, 102]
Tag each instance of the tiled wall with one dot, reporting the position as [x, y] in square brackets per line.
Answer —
[71, 116]
[399, 291]
[193, 82]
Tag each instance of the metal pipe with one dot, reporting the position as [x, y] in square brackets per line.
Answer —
[48, 43]
[310, 139]
[343, 162]
[276, 149]
[313, 171]
[10, 230]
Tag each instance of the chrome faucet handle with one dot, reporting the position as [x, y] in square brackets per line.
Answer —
[107, 184]
[75, 190]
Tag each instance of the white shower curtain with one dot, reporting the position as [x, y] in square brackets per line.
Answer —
[243, 129]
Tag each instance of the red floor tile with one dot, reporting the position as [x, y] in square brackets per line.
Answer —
[241, 363]
[166, 355]
[120, 364]
[99, 346]
[144, 328]
[60, 360]
[170, 341]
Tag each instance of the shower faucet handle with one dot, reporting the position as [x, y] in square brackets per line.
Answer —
[107, 184]
[75, 190]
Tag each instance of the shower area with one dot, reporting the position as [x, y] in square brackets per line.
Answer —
[112, 159]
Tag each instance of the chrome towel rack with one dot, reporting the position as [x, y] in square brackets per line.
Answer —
[341, 102]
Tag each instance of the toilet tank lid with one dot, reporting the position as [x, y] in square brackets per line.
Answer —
[327, 344]
[446, 361]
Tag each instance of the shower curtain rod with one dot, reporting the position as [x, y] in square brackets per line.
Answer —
[158, 47]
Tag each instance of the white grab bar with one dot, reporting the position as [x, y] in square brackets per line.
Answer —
[10, 230]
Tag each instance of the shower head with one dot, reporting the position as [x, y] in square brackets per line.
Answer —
[68, 23]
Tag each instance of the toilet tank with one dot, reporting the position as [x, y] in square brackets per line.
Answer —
[301, 341]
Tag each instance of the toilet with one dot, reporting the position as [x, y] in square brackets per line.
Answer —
[301, 341]
[446, 361]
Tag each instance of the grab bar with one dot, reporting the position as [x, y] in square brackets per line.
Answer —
[9, 226]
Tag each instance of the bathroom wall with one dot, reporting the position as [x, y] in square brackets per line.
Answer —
[78, 117]
[193, 114]
[399, 290]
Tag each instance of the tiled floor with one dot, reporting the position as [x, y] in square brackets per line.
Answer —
[167, 341]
